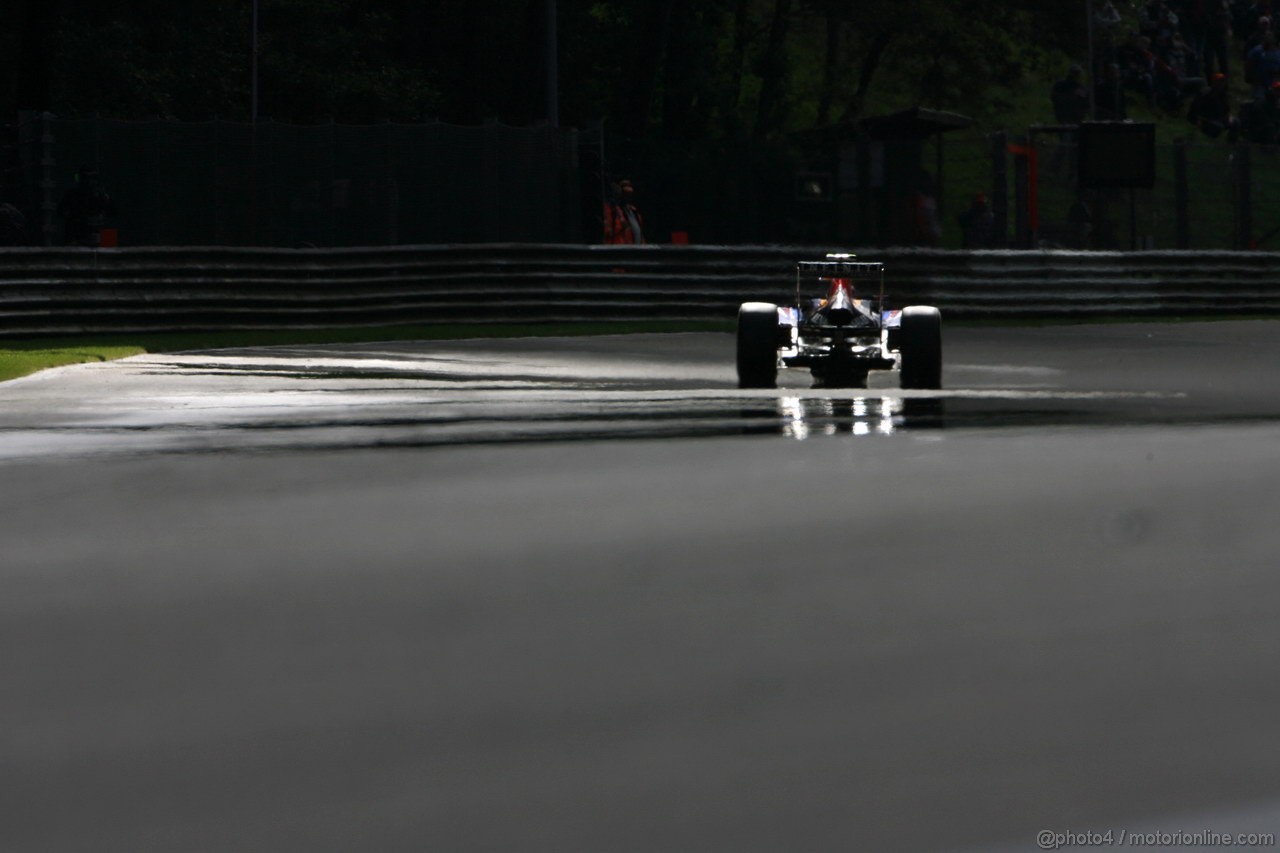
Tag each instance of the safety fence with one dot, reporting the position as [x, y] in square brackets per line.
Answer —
[71, 291]
[222, 183]
[269, 184]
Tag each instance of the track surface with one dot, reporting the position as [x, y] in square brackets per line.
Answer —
[408, 598]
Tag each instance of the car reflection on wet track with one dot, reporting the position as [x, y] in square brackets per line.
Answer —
[802, 418]
[467, 393]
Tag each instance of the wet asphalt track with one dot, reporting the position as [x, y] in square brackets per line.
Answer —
[584, 595]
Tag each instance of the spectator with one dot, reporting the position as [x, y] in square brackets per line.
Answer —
[623, 224]
[1107, 25]
[1080, 224]
[1211, 110]
[83, 209]
[1182, 60]
[1259, 9]
[977, 224]
[1184, 81]
[1262, 66]
[1108, 95]
[924, 210]
[1257, 33]
[1172, 80]
[1194, 16]
[1070, 101]
[1149, 17]
[1260, 119]
[1070, 107]
[1137, 66]
[1217, 39]
[1157, 21]
[1154, 78]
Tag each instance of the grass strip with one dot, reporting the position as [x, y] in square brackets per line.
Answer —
[21, 357]
[25, 361]
[27, 356]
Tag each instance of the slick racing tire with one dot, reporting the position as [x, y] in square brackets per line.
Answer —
[921, 347]
[758, 345]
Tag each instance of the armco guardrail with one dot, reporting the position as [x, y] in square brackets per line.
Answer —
[59, 291]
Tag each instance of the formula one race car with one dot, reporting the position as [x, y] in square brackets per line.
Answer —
[842, 337]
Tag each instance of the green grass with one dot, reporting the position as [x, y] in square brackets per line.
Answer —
[27, 356]
[1026, 102]
[16, 361]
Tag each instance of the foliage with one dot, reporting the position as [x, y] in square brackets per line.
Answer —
[678, 68]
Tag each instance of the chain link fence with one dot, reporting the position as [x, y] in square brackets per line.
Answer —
[270, 184]
[236, 184]
[1206, 196]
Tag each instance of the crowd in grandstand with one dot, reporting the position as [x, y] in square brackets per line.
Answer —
[1182, 57]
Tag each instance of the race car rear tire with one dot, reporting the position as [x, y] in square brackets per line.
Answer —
[758, 345]
[921, 346]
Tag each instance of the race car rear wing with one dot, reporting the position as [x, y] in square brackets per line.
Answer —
[841, 266]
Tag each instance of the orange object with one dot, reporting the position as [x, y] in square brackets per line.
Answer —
[680, 238]
[617, 224]
[108, 238]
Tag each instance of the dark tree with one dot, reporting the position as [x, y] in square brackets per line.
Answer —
[737, 60]
[685, 69]
[35, 54]
[774, 67]
[639, 77]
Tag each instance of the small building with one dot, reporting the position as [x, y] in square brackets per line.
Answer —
[873, 182]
